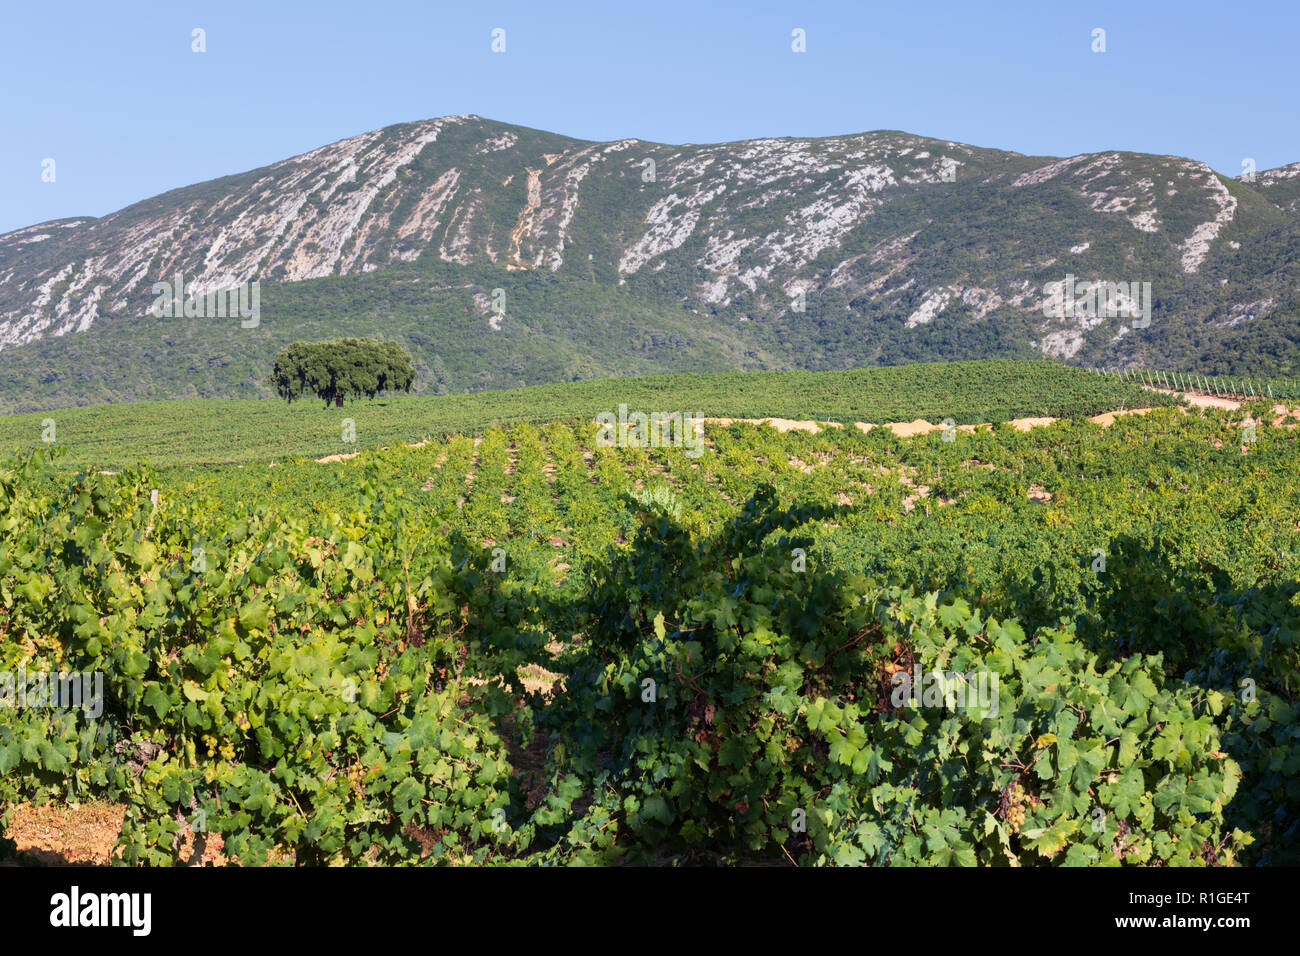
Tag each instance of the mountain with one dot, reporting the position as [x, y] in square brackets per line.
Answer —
[503, 256]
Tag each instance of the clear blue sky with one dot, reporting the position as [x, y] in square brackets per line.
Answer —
[112, 92]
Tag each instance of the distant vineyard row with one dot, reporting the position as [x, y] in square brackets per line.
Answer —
[1224, 386]
[210, 432]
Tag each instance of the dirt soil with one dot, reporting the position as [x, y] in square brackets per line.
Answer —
[780, 424]
[76, 835]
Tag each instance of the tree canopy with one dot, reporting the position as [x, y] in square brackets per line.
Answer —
[342, 368]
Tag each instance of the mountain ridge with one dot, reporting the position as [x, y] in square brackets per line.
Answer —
[1286, 170]
[861, 249]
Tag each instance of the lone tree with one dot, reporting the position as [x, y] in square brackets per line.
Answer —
[342, 368]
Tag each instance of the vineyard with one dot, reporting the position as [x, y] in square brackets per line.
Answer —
[1221, 386]
[512, 643]
[170, 434]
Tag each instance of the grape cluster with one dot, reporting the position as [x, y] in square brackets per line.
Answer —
[215, 747]
[1012, 806]
[355, 773]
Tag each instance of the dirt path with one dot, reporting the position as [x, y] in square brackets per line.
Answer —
[344, 456]
[908, 429]
[780, 424]
[1200, 401]
[922, 427]
[1228, 404]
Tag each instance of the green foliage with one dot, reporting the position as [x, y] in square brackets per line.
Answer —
[346, 368]
[189, 433]
[312, 692]
[500, 603]
[771, 705]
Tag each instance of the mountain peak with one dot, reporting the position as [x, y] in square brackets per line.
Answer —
[902, 235]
